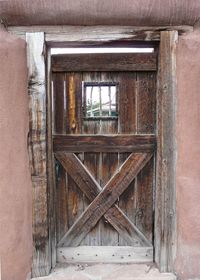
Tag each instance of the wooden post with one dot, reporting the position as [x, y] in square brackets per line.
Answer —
[37, 150]
[165, 200]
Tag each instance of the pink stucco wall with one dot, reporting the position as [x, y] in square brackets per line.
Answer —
[188, 160]
[98, 12]
[15, 184]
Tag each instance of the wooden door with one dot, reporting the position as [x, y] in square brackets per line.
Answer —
[104, 112]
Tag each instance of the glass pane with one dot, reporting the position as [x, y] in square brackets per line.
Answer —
[100, 100]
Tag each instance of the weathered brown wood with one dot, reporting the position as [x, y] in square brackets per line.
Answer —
[113, 189]
[91, 189]
[73, 103]
[73, 36]
[146, 103]
[92, 162]
[37, 151]
[104, 143]
[165, 203]
[144, 200]
[50, 163]
[40, 265]
[109, 165]
[104, 62]
[127, 102]
[61, 203]
[59, 103]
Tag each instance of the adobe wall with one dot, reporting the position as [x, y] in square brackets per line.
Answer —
[98, 12]
[188, 160]
[15, 184]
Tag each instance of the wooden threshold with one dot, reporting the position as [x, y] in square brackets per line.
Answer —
[104, 254]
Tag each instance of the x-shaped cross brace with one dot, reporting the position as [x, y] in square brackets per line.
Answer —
[102, 200]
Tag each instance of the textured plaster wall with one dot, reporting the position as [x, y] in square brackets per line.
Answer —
[97, 12]
[15, 186]
[188, 161]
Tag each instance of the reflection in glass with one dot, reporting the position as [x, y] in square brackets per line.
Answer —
[100, 100]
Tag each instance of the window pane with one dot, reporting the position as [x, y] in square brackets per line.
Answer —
[100, 100]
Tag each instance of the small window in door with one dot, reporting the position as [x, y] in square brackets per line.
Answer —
[100, 100]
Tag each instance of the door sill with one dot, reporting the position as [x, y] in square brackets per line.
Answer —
[105, 254]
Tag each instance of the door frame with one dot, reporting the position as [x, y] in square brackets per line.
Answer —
[39, 41]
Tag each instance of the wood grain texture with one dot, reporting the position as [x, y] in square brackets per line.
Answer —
[73, 102]
[144, 200]
[59, 103]
[104, 143]
[105, 199]
[105, 254]
[146, 103]
[165, 217]
[127, 102]
[104, 62]
[37, 151]
[61, 202]
[91, 189]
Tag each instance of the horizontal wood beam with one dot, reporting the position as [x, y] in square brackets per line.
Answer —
[104, 62]
[105, 254]
[80, 36]
[104, 143]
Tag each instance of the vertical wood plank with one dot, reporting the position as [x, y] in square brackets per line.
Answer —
[74, 102]
[37, 150]
[165, 216]
[146, 102]
[50, 163]
[127, 102]
[127, 124]
[92, 161]
[61, 202]
[59, 102]
[144, 200]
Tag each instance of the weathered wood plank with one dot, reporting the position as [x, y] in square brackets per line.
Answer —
[103, 201]
[73, 103]
[50, 163]
[165, 203]
[70, 36]
[144, 200]
[92, 162]
[105, 254]
[104, 143]
[40, 264]
[91, 189]
[61, 202]
[127, 102]
[104, 62]
[146, 103]
[109, 165]
[37, 151]
[59, 103]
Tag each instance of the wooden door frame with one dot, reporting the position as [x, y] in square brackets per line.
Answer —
[39, 41]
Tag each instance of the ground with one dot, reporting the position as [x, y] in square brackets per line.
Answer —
[107, 272]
